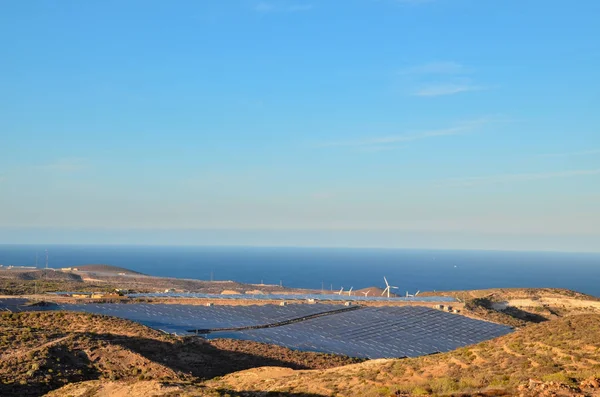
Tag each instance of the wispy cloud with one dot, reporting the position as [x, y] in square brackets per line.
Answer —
[590, 152]
[267, 7]
[440, 78]
[413, 2]
[434, 90]
[445, 67]
[388, 142]
[510, 178]
[65, 165]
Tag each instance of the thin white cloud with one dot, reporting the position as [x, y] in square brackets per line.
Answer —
[440, 78]
[413, 2]
[268, 7]
[390, 141]
[299, 7]
[590, 152]
[511, 178]
[445, 67]
[434, 90]
[263, 7]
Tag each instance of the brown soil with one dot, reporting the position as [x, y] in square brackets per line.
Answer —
[566, 363]
[43, 351]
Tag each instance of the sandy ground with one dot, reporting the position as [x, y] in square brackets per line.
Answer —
[564, 302]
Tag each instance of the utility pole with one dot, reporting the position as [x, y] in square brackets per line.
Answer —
[46, 259]
[281, 283]
[322, 284]
[211, 276]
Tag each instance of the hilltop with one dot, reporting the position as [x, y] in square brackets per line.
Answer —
[99, 268]
[46, 274]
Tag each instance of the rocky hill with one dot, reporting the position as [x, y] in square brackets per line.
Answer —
[99, 268]
[561, 356]
[44, 351]
[555, 351]
[81, 354]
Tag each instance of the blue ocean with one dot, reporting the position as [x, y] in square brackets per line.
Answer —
[332, 268]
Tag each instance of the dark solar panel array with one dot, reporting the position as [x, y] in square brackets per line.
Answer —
[331, 297]
[370, 332]
[12, 304]
[23, 305]
[182, 318]
[379, 332]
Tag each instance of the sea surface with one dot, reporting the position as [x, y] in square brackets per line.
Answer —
[332, 268]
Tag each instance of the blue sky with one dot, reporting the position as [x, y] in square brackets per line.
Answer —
[416, 123]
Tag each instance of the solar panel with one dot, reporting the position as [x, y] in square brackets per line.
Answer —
[370, 332]
[18, 305]
[380, 332]
[182, 318]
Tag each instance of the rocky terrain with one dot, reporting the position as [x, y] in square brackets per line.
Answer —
[43, 351]
[555, 351]
[88, 355]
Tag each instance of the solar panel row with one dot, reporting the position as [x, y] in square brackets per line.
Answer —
[380, 332]
[14, 305]
[182, 318]
[331, 297]
[370, 332]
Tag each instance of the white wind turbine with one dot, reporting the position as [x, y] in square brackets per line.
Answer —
[412, 296]
[350, 292]
[387, 287]
[340, 291]
[366, 293]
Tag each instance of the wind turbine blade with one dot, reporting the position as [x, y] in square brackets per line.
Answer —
[386, 282]
[417, 293]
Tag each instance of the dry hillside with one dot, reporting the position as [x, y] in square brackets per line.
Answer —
[43, 351]
[566, 351]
